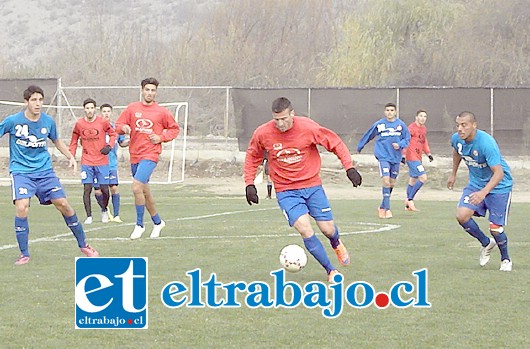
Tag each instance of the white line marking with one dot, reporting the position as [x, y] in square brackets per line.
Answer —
[68, 236]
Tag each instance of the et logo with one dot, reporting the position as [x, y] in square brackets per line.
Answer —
[111, 293]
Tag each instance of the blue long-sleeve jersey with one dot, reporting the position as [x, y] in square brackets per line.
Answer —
[387, 132]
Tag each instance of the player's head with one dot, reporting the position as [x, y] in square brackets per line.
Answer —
[89, 105]
[33, 99]
[466, 125]
[282, 114]
[390, 111]
[106, 111]
[421, 117]
[149, 89]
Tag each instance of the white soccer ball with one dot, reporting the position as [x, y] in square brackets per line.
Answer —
[293, 258]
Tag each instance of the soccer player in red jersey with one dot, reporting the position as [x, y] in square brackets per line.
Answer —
[92, 130]
[148, 125]
[418, 145]
[294, 162]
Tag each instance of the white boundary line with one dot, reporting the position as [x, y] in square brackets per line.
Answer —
[63, 237]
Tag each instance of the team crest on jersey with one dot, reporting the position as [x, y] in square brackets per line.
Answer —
[138, 114]
[289, 155]
[277, 146]
[399, 128]
[44, 130]
[475, 152]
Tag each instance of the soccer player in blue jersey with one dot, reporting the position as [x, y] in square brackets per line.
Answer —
[489, 188]
[31, 171]
[392, 137]
[122, 141]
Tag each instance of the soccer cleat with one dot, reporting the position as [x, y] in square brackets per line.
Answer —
[104, 217]
[331, 274]
[485, 252]
[137, 232]
[388, 214]
[89, 251]
[410, 206]
[88, 220]
[117, 219]
[157, 228]
[342, 253]
[381, 212]
[506, 265]
[25, 259]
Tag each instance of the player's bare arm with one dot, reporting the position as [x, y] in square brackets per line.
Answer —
[59, 144]
[478, 196]
[456, 162]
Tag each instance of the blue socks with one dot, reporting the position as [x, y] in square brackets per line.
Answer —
[315, 247]
[386, 198]
[140, 209]
[156, 219]
[22, 233]
[77, 229]
[334, 240]
[473, 229]
[116, 204]
[502, 242]
[412, 190]
[99, 199]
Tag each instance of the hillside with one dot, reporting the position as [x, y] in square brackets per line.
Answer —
[33, 30]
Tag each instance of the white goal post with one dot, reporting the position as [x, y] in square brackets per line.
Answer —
[172, 163]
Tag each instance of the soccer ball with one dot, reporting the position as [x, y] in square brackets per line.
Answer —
[293, 258]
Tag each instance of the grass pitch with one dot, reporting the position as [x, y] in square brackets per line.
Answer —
[472, 307]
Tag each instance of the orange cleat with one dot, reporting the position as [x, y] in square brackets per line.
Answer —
[342, 253]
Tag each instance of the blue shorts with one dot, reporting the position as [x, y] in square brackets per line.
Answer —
[498, 205]
[388, 169]
[416, 169]
[45, 185]
[295, 203]
[95, 174]
[113, 179]
[143, 170]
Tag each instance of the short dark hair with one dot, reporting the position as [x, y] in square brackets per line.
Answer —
[149, 81]
[31, 90]
[106, 105]
[390, 105]
[280, 104]
[421, 111]
[467, 113]
[89, 100]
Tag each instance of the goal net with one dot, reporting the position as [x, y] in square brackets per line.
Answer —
[171, 166]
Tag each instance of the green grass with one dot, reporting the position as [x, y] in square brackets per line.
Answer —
[472, 307]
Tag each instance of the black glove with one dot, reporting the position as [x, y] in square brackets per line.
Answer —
[403, 160]
[105, 150]
[430, 157]
[252, 194]
[354, 176]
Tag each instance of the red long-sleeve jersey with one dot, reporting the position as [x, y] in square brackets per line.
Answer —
[144, 121]
[93, 136]
[418, 142]
[294, 160]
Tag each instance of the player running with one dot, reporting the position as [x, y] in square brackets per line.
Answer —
[92, 130]
[122, 141]
[392, 137]
[31, 170]
[418, 145]
[294, 162]
[149, 125]
[489, 187]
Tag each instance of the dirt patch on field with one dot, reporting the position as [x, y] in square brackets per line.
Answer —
[227, 179]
